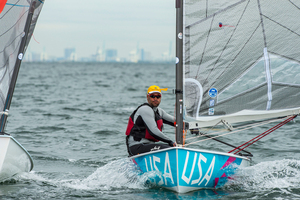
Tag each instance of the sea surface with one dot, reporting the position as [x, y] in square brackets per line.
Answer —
[71, 117]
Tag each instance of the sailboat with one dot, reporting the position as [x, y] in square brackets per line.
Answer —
[17, 21]
[237, 66]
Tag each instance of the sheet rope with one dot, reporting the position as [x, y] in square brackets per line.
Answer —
[238, 129]
[252, 141]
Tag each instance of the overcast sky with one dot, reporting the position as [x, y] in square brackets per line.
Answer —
[119, 24]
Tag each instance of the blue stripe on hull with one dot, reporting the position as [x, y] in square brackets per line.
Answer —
[184, 170]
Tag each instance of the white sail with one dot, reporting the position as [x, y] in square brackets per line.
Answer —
[13, 18]
[17, 22]
[179, 168]
[241, 59]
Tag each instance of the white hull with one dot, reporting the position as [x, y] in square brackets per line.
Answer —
[14, 158]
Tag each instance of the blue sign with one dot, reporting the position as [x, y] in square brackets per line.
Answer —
[211, 103]
[213, 92]
[211, 111]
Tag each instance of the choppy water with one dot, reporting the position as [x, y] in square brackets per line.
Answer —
[71, 117]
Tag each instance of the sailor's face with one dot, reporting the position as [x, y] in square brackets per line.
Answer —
[154, 99]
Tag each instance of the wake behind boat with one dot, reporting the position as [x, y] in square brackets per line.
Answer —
[17, 21]
[237, 61]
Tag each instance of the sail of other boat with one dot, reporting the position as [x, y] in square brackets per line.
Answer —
[17, 21]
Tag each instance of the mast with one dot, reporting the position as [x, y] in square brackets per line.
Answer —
[179, 72]
[17, 65]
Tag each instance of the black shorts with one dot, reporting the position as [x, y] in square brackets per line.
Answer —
[143, 148]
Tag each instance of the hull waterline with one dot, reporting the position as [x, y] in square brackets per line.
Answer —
[14, 158]
[183, 170]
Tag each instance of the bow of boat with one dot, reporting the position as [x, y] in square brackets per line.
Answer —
[14, 158]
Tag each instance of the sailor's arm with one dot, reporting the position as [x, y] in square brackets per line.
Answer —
[167, 118]
[147, 115]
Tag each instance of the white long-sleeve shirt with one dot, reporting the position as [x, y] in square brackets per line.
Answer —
[148, 116]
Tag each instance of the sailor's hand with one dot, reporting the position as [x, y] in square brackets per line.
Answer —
[172, 144]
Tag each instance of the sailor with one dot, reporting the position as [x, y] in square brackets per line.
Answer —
[145, 125]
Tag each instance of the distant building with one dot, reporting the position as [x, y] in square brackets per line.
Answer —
[70, 54]
[145, 56]
[28, 56]
[36, 57]
[43, 56]
[168, 55]
[99, 56]
[142, 55]
[133, 56]
[111, 55]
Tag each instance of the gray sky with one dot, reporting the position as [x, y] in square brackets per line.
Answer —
[119, 24]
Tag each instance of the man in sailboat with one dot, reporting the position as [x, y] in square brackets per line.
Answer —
[145, 125]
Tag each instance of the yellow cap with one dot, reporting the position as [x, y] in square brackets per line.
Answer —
[155, 88]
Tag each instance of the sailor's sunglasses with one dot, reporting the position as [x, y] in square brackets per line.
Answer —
[153, 96]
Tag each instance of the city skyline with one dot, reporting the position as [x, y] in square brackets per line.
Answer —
[116, 24]
[101, 55]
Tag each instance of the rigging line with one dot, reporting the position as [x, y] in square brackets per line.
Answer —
[35, 39]
[266, 60]
[280, 25]
[233, 32]
[243, 128]
[208, 34]
[228, 144]
[268, 131]
[6, 68]
[206, 8]
[262, 23]
[10, 4]
[218, 136]
[11, 43]
[213, 138]
[294, 4]
[247, 91]
[285, 57]
[286, 84]
[187, 60]
[199, 136]
[9, 10]
[238, 55]
[7, 60]
[218, 12]
[207, 131]
[264, 134]
[14, 23]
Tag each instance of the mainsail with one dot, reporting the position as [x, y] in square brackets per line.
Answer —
[241, 60]
[17, 21]
[184, 169]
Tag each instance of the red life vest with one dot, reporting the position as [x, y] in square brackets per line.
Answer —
[140, 131]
